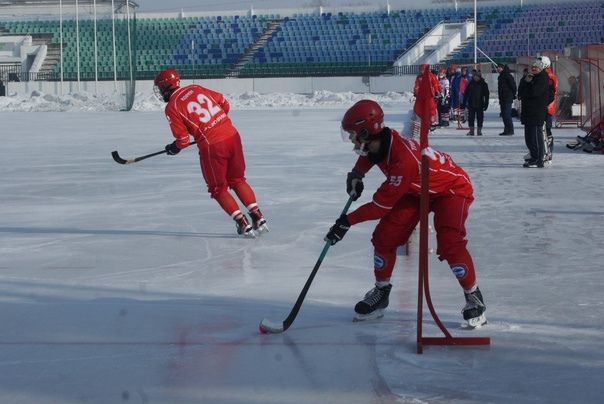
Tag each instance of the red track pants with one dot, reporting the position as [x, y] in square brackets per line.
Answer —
[450, 214]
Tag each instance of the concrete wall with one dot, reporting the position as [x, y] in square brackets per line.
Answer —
[298, 85]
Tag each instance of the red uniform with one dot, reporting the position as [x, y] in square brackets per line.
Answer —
[434, 84]
[396, 203]
[202, 113]
[553, 82]
[435, 87]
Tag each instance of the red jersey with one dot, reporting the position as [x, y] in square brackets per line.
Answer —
[402, 168]
[200, 112]
[553, 83]
[434, 84]
[463, 81]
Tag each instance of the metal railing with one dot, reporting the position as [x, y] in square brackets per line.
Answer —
[14, 72]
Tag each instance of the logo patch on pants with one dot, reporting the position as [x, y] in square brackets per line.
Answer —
[459, 271]
[378, 262]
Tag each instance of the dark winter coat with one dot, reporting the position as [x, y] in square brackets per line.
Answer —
[506, 86]
[476, 95]
[534, 95]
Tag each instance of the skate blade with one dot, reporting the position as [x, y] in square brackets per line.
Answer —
[249, 234]
[262, 229]
[376, 315]
[477, 321]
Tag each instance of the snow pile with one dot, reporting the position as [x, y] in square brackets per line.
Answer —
[85, 101]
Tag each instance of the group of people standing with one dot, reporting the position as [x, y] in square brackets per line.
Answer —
[459, 95]
[448, 86]
[465, 96]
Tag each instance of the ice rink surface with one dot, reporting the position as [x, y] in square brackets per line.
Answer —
[128, 284]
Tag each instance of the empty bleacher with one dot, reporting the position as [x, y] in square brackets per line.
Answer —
[512, 31]
[303, 44]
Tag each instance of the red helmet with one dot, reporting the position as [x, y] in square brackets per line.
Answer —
[167, 79]
[166, 82]
[364, 119]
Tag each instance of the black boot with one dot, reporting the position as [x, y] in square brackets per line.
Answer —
[373, 305]
[473, 311]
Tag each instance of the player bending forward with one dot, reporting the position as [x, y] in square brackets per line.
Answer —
[202, 113]
[396, 204]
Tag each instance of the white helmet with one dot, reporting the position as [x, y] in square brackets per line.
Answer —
[546, 62]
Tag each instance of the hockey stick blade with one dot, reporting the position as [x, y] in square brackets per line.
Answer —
[117, 158]
[120, 160]
[267, 326]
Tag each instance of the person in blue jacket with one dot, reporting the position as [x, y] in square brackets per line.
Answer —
[458, 86]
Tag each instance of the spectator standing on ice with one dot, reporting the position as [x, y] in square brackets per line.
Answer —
[202, 113]
[534, 91]
[476, 100]
[506, 89]
[518, 101]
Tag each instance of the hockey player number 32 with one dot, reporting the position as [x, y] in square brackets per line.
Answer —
[205, 114]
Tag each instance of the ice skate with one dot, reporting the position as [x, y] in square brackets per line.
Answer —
[373, 305]
[258, 222]
[532, 164]
[474, 310]
[244, 227]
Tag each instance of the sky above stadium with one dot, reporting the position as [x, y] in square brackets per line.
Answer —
[154, 6]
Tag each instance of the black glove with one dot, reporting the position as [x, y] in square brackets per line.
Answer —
[172, 149]
[485, 107]
[354, 184]
[338, 230]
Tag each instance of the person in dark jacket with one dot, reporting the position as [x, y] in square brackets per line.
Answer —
[506, 87]
[534, 91]
[525, 73]
[476, 100]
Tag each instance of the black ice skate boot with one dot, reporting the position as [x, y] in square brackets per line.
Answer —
[373, 305]
[258, 221]
[473, 311]
[244, 227]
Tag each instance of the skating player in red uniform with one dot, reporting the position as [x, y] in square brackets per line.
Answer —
[202, 113]
[396, 204]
